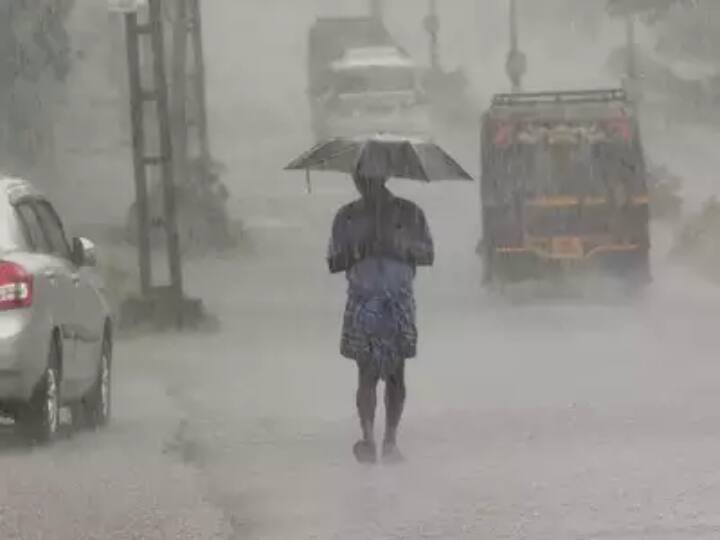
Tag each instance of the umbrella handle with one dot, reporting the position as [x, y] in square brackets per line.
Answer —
[307, 181]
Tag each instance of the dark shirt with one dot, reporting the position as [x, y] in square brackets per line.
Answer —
[379, 243]
[387, 228]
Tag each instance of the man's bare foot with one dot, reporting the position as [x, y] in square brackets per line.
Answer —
[391, 454]
[365, 452]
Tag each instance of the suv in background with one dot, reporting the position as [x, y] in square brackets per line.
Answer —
[55, 323]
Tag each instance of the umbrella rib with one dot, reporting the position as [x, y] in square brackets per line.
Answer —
[304, 156]
[402, 159]
[346, 149]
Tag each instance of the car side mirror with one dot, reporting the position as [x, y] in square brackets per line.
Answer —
[84, 252]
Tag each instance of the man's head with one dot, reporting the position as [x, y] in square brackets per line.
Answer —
[369, 187]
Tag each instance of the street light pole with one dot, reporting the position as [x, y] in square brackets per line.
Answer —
[631, 51]
[632, 79]
[432, 25]
[513, 26]
[516, 65]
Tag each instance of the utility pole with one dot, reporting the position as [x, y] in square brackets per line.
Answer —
[516, 64]
[188, 88]
[165, 159]
[200, 121]
[179, 91]
[162, 304]
[513, 26]
[205, 210]
[631, 52]
[632, 85]
[137, 105]
[432, 27]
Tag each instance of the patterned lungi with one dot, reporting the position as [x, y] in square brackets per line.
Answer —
[379, 327]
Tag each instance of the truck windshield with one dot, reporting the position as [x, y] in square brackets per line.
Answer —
[579, 170]
[362, 80]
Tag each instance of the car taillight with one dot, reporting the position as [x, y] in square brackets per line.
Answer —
[16, 286]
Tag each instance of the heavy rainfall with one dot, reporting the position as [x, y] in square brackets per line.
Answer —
[236, 234]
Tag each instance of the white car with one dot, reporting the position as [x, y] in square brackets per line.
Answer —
[55, 324]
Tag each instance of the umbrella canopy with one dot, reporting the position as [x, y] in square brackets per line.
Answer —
[382, 156]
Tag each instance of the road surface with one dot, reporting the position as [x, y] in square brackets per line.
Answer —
[539, 418]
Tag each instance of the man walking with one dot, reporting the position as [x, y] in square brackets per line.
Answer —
[378, 241]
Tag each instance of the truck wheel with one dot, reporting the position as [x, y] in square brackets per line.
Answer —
[638, 275]
[488, 262]
[39, 419]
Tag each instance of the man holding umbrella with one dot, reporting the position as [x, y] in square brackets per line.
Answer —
[378, 241]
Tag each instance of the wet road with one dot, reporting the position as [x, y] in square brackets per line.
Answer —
[595, 420]
[539, 419]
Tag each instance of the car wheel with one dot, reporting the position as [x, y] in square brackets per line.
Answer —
[39, 420]
[94, 410]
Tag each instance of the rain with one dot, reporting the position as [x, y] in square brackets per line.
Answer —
[359, 269]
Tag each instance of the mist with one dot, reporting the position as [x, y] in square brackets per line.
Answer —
[548, 409]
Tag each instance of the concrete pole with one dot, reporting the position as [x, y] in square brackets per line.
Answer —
[433, 28]
[632, 85]
[178, 94]
[199, 80]
[516, 60]
[513, 26]
[166, 151]
[138, 141]
[631, 48]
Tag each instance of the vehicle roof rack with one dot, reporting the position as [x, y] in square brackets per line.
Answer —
[570, 96]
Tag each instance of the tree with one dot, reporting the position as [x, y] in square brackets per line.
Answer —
[692, 34]
[35, 56]
[621, 8]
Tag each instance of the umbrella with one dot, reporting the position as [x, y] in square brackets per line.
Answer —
[382, 156]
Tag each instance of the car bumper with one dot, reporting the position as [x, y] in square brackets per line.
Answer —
[572, 253]
[21, 358]
[519, 264]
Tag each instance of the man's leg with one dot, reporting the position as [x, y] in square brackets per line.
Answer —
[366, 399]
[395, 394]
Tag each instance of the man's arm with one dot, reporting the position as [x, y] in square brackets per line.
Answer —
[339, 262]
[409, 239]
[341, 256]
[421, 249]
